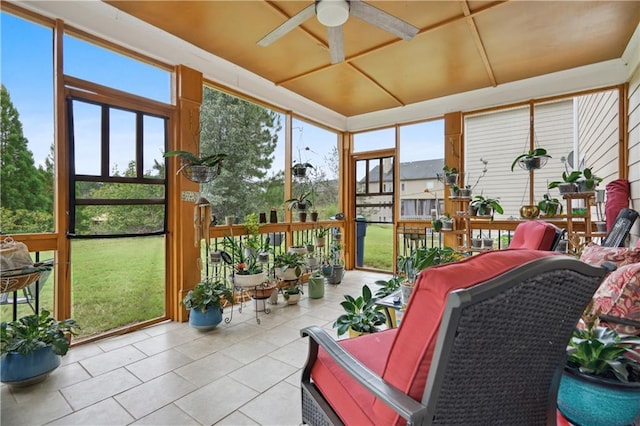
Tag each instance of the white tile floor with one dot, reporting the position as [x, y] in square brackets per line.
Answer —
[241, 373]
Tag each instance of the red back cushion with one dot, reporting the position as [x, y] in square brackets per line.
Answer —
[409, 360]
[533, 235]
[618, 192]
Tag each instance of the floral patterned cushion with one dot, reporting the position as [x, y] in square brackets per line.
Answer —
[619, 296]
[594, 254]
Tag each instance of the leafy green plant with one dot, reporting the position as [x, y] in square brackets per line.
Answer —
[252, 240]
[387, 287]
[549, 206]
[566, 178]
[423, 257]
[194, 160]
[301, 202]
[483, 205]
[448, 171]
[207, 294]
[244, 265]
[292, 289]
[361, 313]
[322, 232]
[289, 260]
[589, 179]
[530, 157]
[600, 351]
[33, 332]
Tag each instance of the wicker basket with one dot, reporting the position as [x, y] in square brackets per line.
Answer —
[17, 279]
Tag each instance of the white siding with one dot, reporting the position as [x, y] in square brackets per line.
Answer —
[507, 132]
[634, 148]
[599, 134]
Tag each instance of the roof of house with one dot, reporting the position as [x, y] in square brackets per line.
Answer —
[412, 170]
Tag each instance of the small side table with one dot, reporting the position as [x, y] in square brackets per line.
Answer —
[393, 308]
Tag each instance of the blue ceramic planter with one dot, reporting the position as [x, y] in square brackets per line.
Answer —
[17, 369]
[587, 401]
[207, 320]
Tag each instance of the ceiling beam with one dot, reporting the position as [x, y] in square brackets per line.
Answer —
[478, 40]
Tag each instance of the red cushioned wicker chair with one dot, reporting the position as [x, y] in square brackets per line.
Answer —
[536, 235]
[482, 342]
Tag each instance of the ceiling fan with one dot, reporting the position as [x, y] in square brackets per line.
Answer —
[333, 14]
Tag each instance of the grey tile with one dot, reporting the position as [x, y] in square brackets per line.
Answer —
[98, 388]
[107, 412]
[216, 400]
[236, 419]
[124, 340]
[263, 373]
[159, 364]
[203, 346]
[279, 405]
[295, 353]
[164, 341]
[80, 352]
[248, 350]
[46, 407]
[108, 361]
[169, 415]
[208, 369]
[153, 395]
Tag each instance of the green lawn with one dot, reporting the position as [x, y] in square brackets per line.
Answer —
[116, 282]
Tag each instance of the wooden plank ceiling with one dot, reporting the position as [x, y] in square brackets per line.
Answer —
[461, 45]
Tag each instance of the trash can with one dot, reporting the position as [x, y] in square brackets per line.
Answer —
[361, 231]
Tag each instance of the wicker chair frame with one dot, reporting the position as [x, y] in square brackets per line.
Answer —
[499, 355]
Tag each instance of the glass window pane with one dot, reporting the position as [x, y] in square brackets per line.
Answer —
[27, 146]
[117, 282]
[374, 140]
[94, 63]
[86, 134]
[154, 146]
[318, 147]
[122, 143]
[113, 220]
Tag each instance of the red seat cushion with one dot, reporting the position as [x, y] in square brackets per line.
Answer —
[349, 400]
[533, 235]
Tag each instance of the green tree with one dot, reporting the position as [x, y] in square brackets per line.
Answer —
[247, 133]
[23, 184]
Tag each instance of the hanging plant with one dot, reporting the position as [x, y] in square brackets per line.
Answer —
[199, 169]
[532, 160]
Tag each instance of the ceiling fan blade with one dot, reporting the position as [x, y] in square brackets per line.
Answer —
[336, 44]
[382, 19]
[288, 25]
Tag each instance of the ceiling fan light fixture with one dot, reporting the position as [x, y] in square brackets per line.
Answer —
[332, 13]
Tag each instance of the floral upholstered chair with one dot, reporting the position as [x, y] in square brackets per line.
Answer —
[617, 300]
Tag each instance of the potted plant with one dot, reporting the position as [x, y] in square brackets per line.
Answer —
[532, 160]
[447, 222]
[550, 206]
[198, 168]
[486, 206]
[361, 316]
[450, 175]
[436, 224]
[419, 259]
[247, 272]
[299, 169]
[601, 380]
[321, 236]
[252, 242]
[205, 303]
[301, 203]
[588, 182]
[292, 294]
[31, 347]
[568, 184]
[337, 267]
[289, 265]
